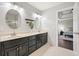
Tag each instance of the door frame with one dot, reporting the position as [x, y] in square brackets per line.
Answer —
[57, 19]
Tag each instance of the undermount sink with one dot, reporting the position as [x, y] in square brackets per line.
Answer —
[13, 35]
[7, 36]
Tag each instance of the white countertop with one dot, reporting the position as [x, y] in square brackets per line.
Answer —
[9, 37]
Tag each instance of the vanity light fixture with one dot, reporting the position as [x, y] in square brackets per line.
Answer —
[15, 7]
[21, 9]
[36, 16]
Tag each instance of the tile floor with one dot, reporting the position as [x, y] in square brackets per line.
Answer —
[48, 50]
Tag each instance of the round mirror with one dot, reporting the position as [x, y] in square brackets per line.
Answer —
[13, 19]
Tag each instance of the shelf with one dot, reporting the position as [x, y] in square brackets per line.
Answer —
[29, 20]
[65, 19]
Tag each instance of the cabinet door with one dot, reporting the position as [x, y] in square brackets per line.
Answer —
[32, 41]
[23, 49]
[32, 44]
[39, 41]
[39, 44]
[44, 38]
[32, 49]
[0, 50]
[11, 51]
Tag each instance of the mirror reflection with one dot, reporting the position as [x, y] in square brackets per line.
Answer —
[12, 19]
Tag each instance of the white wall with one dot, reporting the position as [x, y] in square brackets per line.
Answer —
[26, 12]
[49, 21]
[76, 28]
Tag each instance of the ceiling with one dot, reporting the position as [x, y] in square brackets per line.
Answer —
[44, 5]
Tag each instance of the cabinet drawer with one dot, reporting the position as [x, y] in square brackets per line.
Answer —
[32, 49]
[15, 42]
[9, 44]
[42, 35]
[32, 38]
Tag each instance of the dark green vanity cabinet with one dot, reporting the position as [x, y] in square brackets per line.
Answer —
[41, 39]
[16, 47]
[38, 41]
[11, 51]
[44, 38]
[22, 46]
[0, 50]
[23, 49]
[32, 44]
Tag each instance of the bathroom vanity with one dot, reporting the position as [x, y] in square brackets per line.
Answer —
[22, 45]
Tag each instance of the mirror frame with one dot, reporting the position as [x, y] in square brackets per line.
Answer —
[13, 24]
